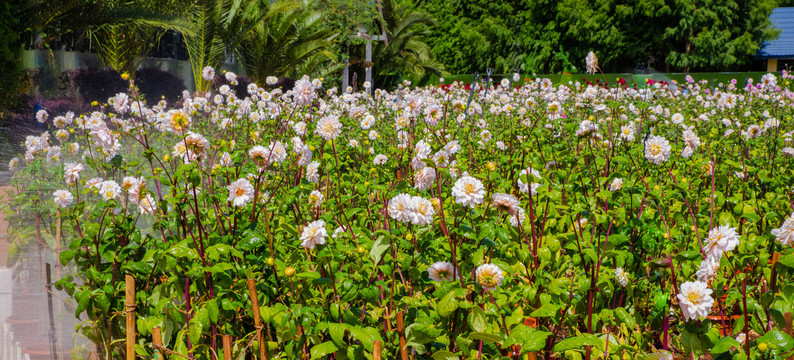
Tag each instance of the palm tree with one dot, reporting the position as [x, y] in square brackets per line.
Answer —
[219, 28]
[123, 32]
[123, 46]
[291, 43]
[404, 54]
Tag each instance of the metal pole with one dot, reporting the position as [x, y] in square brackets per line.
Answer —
[369, 66]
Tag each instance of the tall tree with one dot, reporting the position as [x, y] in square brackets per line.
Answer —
[124, 31]
[403, 54]
[291, 43]
[717, 34]
[220, 26]
[543, 35]
[123, 45]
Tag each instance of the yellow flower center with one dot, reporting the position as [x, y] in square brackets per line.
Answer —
[240, 192]
[468, 188]
[487, 279]
[655, 149]
[693, 297]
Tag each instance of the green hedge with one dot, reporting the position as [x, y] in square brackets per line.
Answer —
[717, 78]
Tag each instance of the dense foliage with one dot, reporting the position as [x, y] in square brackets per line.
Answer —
[539, 36]
[565, 220]
[10, 42]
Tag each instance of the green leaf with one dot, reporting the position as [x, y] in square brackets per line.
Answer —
[251, 241]
[417, 335]
[486, 337]
[725, 344]
[196, 328]
[115, 162]
[321, 281]
[102, 300]
[181, 251]
[781, 341]
[624, 317]
[444, 355]
[447, 305]
[367, 335]
[323, 349]
[529, 338]
[787, 260]
[546, 310]
[516, 317]
[378, 248]
[579, 342]
[477, 320]
[337, 332]
[212, 308]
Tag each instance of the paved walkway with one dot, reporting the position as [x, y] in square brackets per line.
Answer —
[23, 298]
[5, 193]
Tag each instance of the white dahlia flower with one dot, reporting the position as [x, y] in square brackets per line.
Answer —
[241, 192]
[657, 149]
[63, 198]
[489, 276]
[314, 234]
[468, 191]
[441, 271]
[695, 300]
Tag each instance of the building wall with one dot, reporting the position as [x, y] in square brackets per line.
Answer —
[61, 60]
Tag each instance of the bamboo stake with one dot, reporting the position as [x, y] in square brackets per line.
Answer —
[257, 319]
[129, 290]
[773, 274]
[157, 340]
[377, 347]
[227, 347]
[401, 333]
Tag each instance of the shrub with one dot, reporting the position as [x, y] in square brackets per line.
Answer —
[155, 84]
[98, 84]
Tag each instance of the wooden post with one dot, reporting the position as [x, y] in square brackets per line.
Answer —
[401, 333]
[377, 347]
[129, 291]
[227, 347]
[157, 340]
[773, 273]
[257, 319]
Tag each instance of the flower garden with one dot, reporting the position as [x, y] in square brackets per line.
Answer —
[523, 220]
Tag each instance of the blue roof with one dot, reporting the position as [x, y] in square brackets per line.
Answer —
[782, 47]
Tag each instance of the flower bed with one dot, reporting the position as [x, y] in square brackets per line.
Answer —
[557, 220]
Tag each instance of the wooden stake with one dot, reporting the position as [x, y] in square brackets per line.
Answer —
[257, 319]
[773, 274]
[157, 340]
[377, 347]
[401, 333]
[227, 347]
[129, 290]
